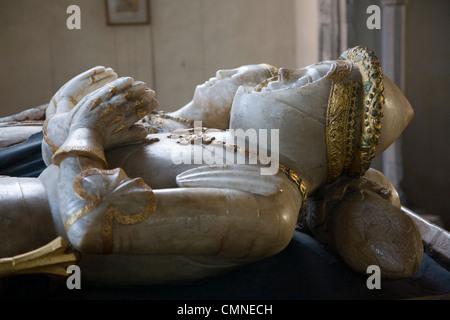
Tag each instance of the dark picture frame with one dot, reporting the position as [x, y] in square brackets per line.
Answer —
[127, 12]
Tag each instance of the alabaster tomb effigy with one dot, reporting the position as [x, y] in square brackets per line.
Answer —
[262, 161]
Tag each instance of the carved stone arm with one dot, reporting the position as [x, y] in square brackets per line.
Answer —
[107, 212]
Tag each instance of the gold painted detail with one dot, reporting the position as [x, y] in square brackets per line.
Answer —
[51, 259]
[341, 71]
[340, 127]
[141, 113]
[72, 100]
[75, 151]
[273, 71]
[114, 121]
[128, 95]
[154, 122]
[107, 111]
[164, 115]
[138, 103]
[119, 129]
[95, 103]
[293, 176]
[112, 89]
[112, 188]
[190, 136]
[373, 89]
[45, 134]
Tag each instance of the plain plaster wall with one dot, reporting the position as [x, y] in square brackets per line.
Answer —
[306, 32]
[426, 141]
[185, 44]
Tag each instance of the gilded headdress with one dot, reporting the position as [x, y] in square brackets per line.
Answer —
[346, 153]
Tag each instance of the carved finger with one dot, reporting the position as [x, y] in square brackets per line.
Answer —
[136, 108]
[131, 113]
[152, 103]
[135, 133]
[115, 111]
[92, 72]
[108, 92]
[103, 95]
[101, 82]
[97, 78]
[86, 75]
[136, 89]
[145, 103]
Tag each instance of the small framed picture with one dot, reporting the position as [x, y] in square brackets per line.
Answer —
[127, 12]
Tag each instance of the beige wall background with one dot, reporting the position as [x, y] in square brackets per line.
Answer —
[185, 44]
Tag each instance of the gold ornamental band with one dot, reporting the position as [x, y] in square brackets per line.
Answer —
[340, 127]
[373, 102]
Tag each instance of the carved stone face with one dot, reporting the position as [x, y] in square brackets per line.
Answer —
[220, 89]
[297, 78]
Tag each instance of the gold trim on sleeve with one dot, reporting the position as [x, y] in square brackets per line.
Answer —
[78, 151]
[120, 183]
[112, 213]
[45, 134]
